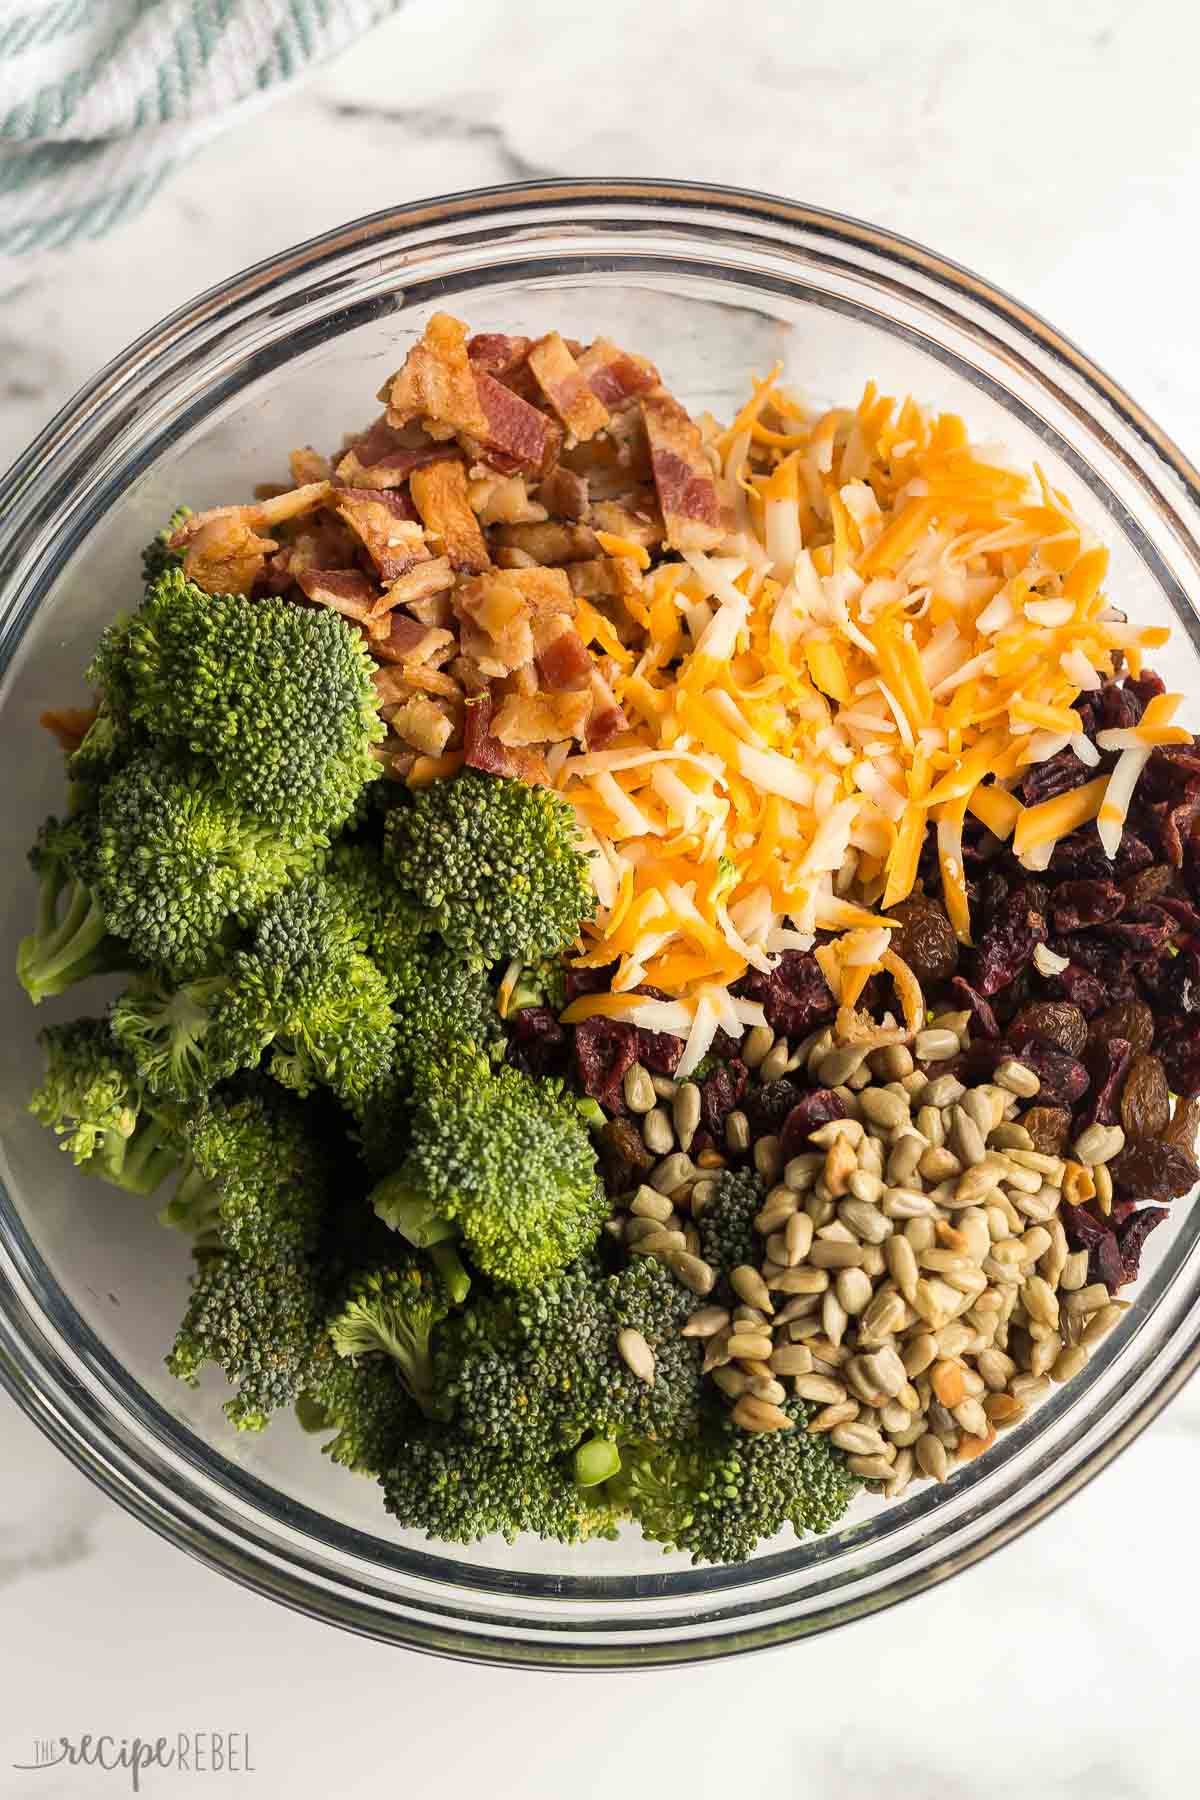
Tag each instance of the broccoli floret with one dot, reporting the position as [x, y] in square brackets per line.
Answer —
[364, 1404]
[390, 924]
[260, 1322]
[726, 1225]
[158, 555]
[167, 1032]
[106, 746]
[719, 1494]
[541, 983]
[495, 862]
[71, 939]
[533, 1374]
[277, 700]
[258, 1179]
[392, 1311]
[454, 1488]
[176, 865]
[92, 1098]
[500, 1159]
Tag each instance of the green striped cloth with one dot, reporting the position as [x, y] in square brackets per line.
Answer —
[100, 99]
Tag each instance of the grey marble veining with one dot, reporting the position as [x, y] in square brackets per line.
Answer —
[1057, 150]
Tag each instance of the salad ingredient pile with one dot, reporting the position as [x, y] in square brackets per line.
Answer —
[662, 961]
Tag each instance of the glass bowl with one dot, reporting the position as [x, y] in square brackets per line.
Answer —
[710, 283]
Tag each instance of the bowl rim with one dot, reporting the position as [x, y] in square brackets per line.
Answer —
[81, 1430]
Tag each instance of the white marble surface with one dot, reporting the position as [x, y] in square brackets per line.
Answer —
[1057, 150]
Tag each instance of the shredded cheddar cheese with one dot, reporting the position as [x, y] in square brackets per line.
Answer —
[895, 627]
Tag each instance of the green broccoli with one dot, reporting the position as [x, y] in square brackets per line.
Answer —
[277, 700]
[363, 1402]
[499, 1159]
[92, 1098]
[158, 555]
[726, 1225]
[175, 866]
[724, 1490]
[258, 1177]
[532, 1374]
[392, 1311]
[71, 939]
[451, 1487]
[495, 862]
[541, 983]
[260, 1322]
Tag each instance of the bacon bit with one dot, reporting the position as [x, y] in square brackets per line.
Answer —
[437, 381]
[439, 608]
[498, 354]
[422, 724]
[426, 770]
[307, 465]
[564, 494]
[440, 496]
[480, 749]
[566, 387]
[379, 461]
[322, 542]
[600, 578]
[550, 544]
[525, 719]
[614, 375]
[420, 585]
[289, 505]
[607, 721]
[496, 622]
[68, 725]
[637, 520]
[503, 500]
[347, 591]
[562, 657]
[687, 489]
[226, 556]
[408, 641]
[385, 523]
[514, 431]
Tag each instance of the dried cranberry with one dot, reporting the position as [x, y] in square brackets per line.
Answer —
[658, 1050]
[1078, 904]
[1147, 885]
[1131, 1239]
[1147, 935]
[720, 1093]
[1008, 944]
[605, 1049]
[622, 1155]
[589, 981]
[1081, 988]
[1107, 1061]
[767, 1107]
[1180, 1054]
[1120, 707]
[1057, 1020]
[795, 996]
[983, 1019]
[1144, 687]
[1064, 1079]
[811, 1110]
[538, 1044]
[1086, 1232]
[1152, 1169]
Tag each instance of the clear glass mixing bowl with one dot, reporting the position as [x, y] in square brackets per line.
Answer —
[710, 283]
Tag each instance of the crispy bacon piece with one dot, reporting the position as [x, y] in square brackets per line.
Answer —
[384, 521]
[516, 435]
[408, 641]
[687, 488]
[424, 582]
[542, 718]
[607, 721]
[496, 622]
[423, 724]
[636, 518]
[481, 749]
[259, 513]
[226, 556]
[551, 543]
[566, 387]
[347, 591]
[562, 658]
[440, 496]
[498, 354]
[614, 375]
[439, 608]
[547, 590]
[609, 577]
[503, 500]
[565, 494]
[321, 542]
[308, 465]
[437, 381]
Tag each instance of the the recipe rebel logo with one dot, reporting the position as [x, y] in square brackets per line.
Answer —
[185, 1753]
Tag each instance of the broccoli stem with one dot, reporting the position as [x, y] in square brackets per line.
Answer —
[55, 958]
[147, 1159]
[596, 1461]
[194, 1207]
[449, 1265]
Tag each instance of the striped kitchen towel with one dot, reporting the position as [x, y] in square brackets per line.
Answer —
[100, 99]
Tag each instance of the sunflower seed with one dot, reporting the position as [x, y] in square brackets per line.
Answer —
[767, 1159]
[685, 1113]
[732, 1382]
[636, 1353]
[648, 1203]
[705, 1322]
[657, 1134]
[936, 1043]
[755, 1045]
[693, 1271]
[749, 1286]
[737, 1130]
[760, 1415]
[872, 1468]
[1018, 1078]
[1098, 1144]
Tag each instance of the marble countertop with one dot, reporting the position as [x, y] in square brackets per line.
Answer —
[1057, 150]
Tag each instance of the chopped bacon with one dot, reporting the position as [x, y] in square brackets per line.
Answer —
[321, 542]
[496, 353]
[226, 556]
[636, 518]
[439, 608]
[602, 576]
[385, 522]
[607, 720]
[288, 505]
[347, 591]
[408, 641]
[418, 585]
[423, 724]
[564, 494]
[437, 381]
[503, 500]
[384, 458]
[440, 496]
[616, 376]
[496, 622]
[541, 718]
[566, 387]
[547, 590]
[307, 465]
[562, 657]
[687, 489]
[551, 543]
[514, 430]
[482, 750]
